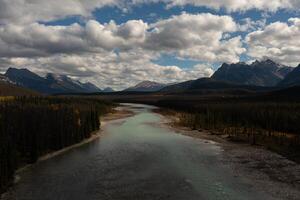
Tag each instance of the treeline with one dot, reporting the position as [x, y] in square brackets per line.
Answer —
[34, 126]
[272, 124]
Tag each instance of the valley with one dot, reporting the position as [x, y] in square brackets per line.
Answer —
[244, 117]
[149, 100]
[142, 157]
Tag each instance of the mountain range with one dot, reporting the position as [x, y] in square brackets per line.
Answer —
[50, 84]
[257, 76]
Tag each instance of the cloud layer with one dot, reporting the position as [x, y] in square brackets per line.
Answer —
[27, 11]
[194, 36]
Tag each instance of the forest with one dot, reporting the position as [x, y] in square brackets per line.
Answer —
[34, 126]
[272, 124]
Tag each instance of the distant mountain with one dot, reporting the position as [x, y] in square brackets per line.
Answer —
[50, 84]
[27, 79]
[107, 90]
[260, 73]
[178, 87]
[146, 86]
[68, 85]
[292, 79]
[90, 87]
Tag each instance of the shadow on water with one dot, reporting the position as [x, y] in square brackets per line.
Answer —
[136, 159]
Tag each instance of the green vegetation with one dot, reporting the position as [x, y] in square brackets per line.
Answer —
[272, 124]
[34, 126]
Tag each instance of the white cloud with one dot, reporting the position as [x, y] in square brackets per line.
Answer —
[27, 11]
[40, 40]
[279, 41]
[199, 37]
[201, 70]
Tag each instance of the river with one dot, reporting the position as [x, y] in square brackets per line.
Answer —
[136, 159]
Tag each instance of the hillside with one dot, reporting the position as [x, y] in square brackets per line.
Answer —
[292, 79]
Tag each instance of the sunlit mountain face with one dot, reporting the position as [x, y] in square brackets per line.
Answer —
[120, 43]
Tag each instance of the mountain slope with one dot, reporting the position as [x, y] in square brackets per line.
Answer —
[107, 90]
[265, 73]
[90, 87]
[8, 89]
[146, 86]
[68, 85]
[179, 87]
[292, 79]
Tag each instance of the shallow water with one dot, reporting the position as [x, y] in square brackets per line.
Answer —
[138, 159]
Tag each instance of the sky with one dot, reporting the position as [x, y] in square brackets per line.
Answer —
[119, 43]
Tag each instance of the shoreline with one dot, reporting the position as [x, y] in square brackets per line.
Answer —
[115, 115]
[118, 113]
[269, 171]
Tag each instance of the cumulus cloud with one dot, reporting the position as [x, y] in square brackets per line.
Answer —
[183, 31]
[279, 41]
[40, 40]
[198, 37]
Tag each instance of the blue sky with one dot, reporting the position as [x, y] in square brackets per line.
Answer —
[118, 43]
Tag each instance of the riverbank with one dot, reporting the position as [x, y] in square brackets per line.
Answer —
[269, 171]
[116, 114]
